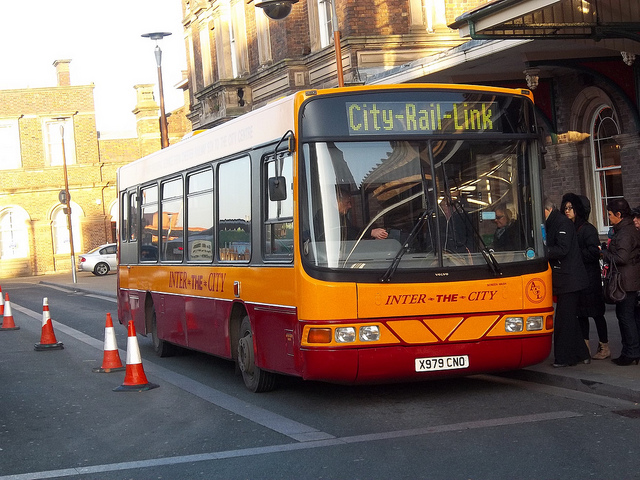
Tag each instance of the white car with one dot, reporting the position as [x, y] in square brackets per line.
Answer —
[99, 260]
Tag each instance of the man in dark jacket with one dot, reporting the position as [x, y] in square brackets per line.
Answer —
[569, 277]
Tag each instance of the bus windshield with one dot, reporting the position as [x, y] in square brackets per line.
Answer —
[424, 204]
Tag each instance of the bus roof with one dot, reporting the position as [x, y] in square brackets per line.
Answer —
[260, 126]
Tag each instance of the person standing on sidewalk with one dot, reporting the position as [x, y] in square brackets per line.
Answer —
[591, 303]
[569, 277]
[624, 249]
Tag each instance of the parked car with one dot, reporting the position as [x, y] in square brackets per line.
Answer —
[100, 260]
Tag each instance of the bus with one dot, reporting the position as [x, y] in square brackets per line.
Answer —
[351, 235]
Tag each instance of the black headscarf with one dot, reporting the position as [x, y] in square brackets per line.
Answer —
[578, 208]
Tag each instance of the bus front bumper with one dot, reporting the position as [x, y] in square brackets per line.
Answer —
[401, 363]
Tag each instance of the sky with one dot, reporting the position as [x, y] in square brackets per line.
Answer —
[103, 41]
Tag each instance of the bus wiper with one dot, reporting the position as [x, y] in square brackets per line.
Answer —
[494, 266]
[405, 246]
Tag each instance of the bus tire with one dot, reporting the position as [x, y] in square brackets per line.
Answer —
[255, 379]
[161, 347]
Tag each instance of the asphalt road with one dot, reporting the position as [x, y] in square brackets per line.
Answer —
[58, 419]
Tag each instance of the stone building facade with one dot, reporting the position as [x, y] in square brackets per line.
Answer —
[239, 59]
[580, 54]
[34, 237]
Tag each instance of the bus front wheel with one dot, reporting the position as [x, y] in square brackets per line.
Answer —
[255, 379]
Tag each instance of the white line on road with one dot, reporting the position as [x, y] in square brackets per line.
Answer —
[248, 452]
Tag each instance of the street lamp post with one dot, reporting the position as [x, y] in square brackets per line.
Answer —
[67, 201]
[164, 133]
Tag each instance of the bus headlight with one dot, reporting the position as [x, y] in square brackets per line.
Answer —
[513, 324]
[345, 334]
[369, 333]
[534, 323]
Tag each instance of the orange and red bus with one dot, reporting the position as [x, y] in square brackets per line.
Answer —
[351, 235]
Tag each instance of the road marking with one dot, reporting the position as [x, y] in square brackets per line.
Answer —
[283, 425]
[290, 447]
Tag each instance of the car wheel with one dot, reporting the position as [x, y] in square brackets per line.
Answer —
[101, 269]
[255, 379]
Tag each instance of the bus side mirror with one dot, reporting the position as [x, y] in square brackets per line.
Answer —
[277, 189]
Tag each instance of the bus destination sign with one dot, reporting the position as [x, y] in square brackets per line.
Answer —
[376, 118]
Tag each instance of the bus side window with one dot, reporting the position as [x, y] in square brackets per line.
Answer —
[234, 207]
[200, 216]
[278, 228]
[133, 216]
[124, 218]
[149, 224]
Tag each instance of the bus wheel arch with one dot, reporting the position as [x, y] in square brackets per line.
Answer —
[255, 379]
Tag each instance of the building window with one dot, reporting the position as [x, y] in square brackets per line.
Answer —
[10, 145]
[326, 25]
[429, 15]
[53, 130]
[61, 243]
[205, 52]
[605, 155]
[14, 234]
[262, 33]
[238, 40]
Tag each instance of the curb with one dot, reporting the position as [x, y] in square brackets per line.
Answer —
[78, 289]
[585, 385]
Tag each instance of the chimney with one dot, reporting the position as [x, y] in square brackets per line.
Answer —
[62, 71]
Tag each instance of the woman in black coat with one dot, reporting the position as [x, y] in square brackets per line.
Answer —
[569, 277]
[624, 249]
[591, 304]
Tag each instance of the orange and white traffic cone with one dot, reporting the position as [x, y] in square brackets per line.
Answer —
[47, 338]
[7, 318]
[111, 360]
[1, 303]
[134, 379]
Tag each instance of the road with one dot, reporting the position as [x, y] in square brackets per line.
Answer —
[58, 419]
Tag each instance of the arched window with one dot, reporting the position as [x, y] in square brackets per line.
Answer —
[605, 156]
[14, 233]
[60, 230]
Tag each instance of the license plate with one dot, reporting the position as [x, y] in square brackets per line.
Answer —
[434, 364]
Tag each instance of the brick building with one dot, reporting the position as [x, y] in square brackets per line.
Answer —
[239, 59]
[34, 237]
[577, 56]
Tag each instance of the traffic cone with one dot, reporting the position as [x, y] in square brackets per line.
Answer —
[1, 303]
[47, 338]
[7, 318]
[111, 360]
[134, 379]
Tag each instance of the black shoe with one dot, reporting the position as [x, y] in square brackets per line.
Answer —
[559, 365]
[586, 361]
[624, 361]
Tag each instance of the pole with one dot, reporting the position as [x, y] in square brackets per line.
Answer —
[164, 136]
[68, 202]
[336, 43]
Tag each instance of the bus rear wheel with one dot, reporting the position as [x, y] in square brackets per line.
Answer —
[162, 348]
[255, 379]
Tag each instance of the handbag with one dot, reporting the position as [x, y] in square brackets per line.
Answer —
[612, 284]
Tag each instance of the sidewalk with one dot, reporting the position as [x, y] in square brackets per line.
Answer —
[601, 377]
